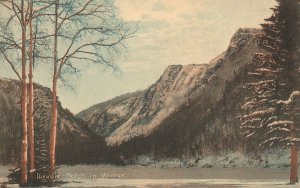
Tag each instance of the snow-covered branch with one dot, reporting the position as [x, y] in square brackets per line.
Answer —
[278, 123]
[291, 98]
[259, 113]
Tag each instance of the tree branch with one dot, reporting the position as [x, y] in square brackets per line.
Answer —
[11, 64]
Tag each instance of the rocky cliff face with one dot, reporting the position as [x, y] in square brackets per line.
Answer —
[141, 114]
[190, 110]
[74, 139]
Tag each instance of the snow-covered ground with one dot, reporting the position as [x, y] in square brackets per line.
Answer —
[269, 159]
[4, 171]
[139, 176]
[180, 183]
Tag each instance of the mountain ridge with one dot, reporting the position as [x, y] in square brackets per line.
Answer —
[219, 83]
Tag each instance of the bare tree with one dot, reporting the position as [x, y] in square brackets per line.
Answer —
[91, 33]
[11, 46]
[20, 13]
[52, 141]
[24, 99]
[83, 32]
[31, 96]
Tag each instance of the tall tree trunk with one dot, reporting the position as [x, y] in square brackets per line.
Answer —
[53, 129]
[52, 141]
[24, 146]
[294, 158]
[31, 99]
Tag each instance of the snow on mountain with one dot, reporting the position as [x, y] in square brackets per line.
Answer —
[177, 88]
[140, 115]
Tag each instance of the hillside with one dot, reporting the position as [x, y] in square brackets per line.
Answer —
[191, 110]
[75, 142]
[10, 121]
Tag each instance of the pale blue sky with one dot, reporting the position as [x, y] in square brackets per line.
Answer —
[171, 32]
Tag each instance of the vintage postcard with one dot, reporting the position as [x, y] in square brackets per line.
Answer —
[149, 93]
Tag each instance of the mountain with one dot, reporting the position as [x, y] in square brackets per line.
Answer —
[75, 142]
[99, 108]
[142, 112]
[191, 110]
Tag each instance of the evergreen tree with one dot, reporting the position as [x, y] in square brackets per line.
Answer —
[271, 108]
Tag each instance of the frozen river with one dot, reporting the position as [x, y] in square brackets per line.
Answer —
[138, 177]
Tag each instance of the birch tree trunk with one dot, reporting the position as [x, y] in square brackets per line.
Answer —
[31, 99]
[53, 129]
[52, 141]
[24, 103]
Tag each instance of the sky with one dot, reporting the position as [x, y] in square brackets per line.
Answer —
[169, 32]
